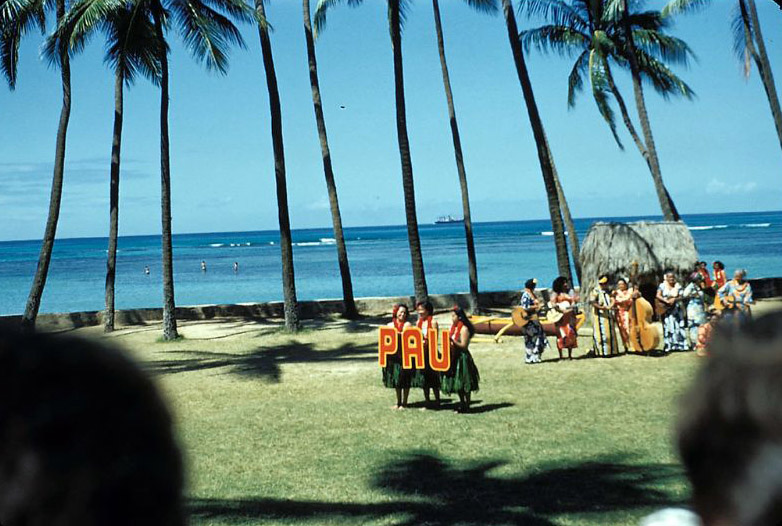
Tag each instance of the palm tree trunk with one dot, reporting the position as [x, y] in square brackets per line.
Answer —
[169, 314]
[336, 218]
[764, 68]
[457, 148]
[47, 244]
[419, 277]
[636, 139]
[286, 246]
[666, 203]
[575, 249]
[544, 156]
[116, 146]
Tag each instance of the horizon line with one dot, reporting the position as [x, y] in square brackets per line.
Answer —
[330, 227]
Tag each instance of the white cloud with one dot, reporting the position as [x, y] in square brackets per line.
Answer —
[720, 187]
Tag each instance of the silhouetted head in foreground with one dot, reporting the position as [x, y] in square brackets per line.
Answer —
[730, 429]
[85, 438]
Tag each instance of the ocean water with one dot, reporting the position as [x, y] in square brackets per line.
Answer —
[508, 253]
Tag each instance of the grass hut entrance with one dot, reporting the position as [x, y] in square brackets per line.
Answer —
[612, 248]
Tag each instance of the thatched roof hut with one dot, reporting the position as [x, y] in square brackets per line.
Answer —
[611, 249]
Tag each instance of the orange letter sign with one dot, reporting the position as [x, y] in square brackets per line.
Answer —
[386, 344]
[412, 347]
[443, 362]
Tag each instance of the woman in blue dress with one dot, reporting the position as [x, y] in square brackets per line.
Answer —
[695, 294]
[535, 341]
[669, 298]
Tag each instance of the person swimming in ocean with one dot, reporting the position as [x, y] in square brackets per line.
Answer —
[203, 266]
[236, 266]
[146, 270]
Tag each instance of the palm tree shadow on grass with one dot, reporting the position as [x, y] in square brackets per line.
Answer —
[263, 363]
[431, 491]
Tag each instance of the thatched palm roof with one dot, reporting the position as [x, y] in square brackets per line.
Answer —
[611, 248]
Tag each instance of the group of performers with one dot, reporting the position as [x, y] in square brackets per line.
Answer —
[687, 313]
[461, 378]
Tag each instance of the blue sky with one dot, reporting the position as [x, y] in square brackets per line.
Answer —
[719, 152]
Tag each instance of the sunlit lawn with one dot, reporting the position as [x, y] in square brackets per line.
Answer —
[289, 429]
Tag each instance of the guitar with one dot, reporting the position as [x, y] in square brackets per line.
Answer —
[522, 317]
[662, 308]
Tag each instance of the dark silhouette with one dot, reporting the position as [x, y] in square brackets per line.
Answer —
[85, 438]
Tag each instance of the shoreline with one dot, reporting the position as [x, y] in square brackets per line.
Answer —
[763, 288]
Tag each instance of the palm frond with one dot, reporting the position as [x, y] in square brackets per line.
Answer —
[237, 9]
[207, 34]
[665, 47]
[743, 36]
[132, 45]
[17, 18]
[563, 40]
[76, 29]
[484, 6]
[404, 9]
[558, 12]
[575, 81]
[319, 17]
[676, 7]
[600, 90]
[664, 81]
[613, 10]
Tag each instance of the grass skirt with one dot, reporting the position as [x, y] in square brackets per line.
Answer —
[394, 376]
[463, 375]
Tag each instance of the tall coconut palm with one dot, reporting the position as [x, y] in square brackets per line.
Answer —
[336, 218]
[17, 17]
[397, 10]
[286, 246]
[748, 45]
[131, 49]
[595, 34]
[489, 6]
[208, 34]
[544, 154]
[570, 226]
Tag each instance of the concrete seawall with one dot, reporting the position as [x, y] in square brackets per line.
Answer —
[762, 288]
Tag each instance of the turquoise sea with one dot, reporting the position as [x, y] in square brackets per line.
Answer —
[508, 253]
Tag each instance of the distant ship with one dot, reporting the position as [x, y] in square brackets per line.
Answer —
[445, 220]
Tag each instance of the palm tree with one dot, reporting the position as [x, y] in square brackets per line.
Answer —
[286, 248]
[208, 34]
[132, 48]
[17, 17]
[485, 6]
[592, 31]
[342, 254]
[544, 154]
[748, 44]
[396, 16]
[570, 227]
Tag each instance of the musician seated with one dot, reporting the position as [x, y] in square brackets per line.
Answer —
[736, 296]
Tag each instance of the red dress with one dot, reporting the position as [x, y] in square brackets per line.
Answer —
[567, 338]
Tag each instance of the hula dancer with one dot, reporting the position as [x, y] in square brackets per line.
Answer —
[462, 378]
[394, 376]
[431, 378]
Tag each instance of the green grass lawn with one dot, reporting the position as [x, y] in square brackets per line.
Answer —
[298, 429]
